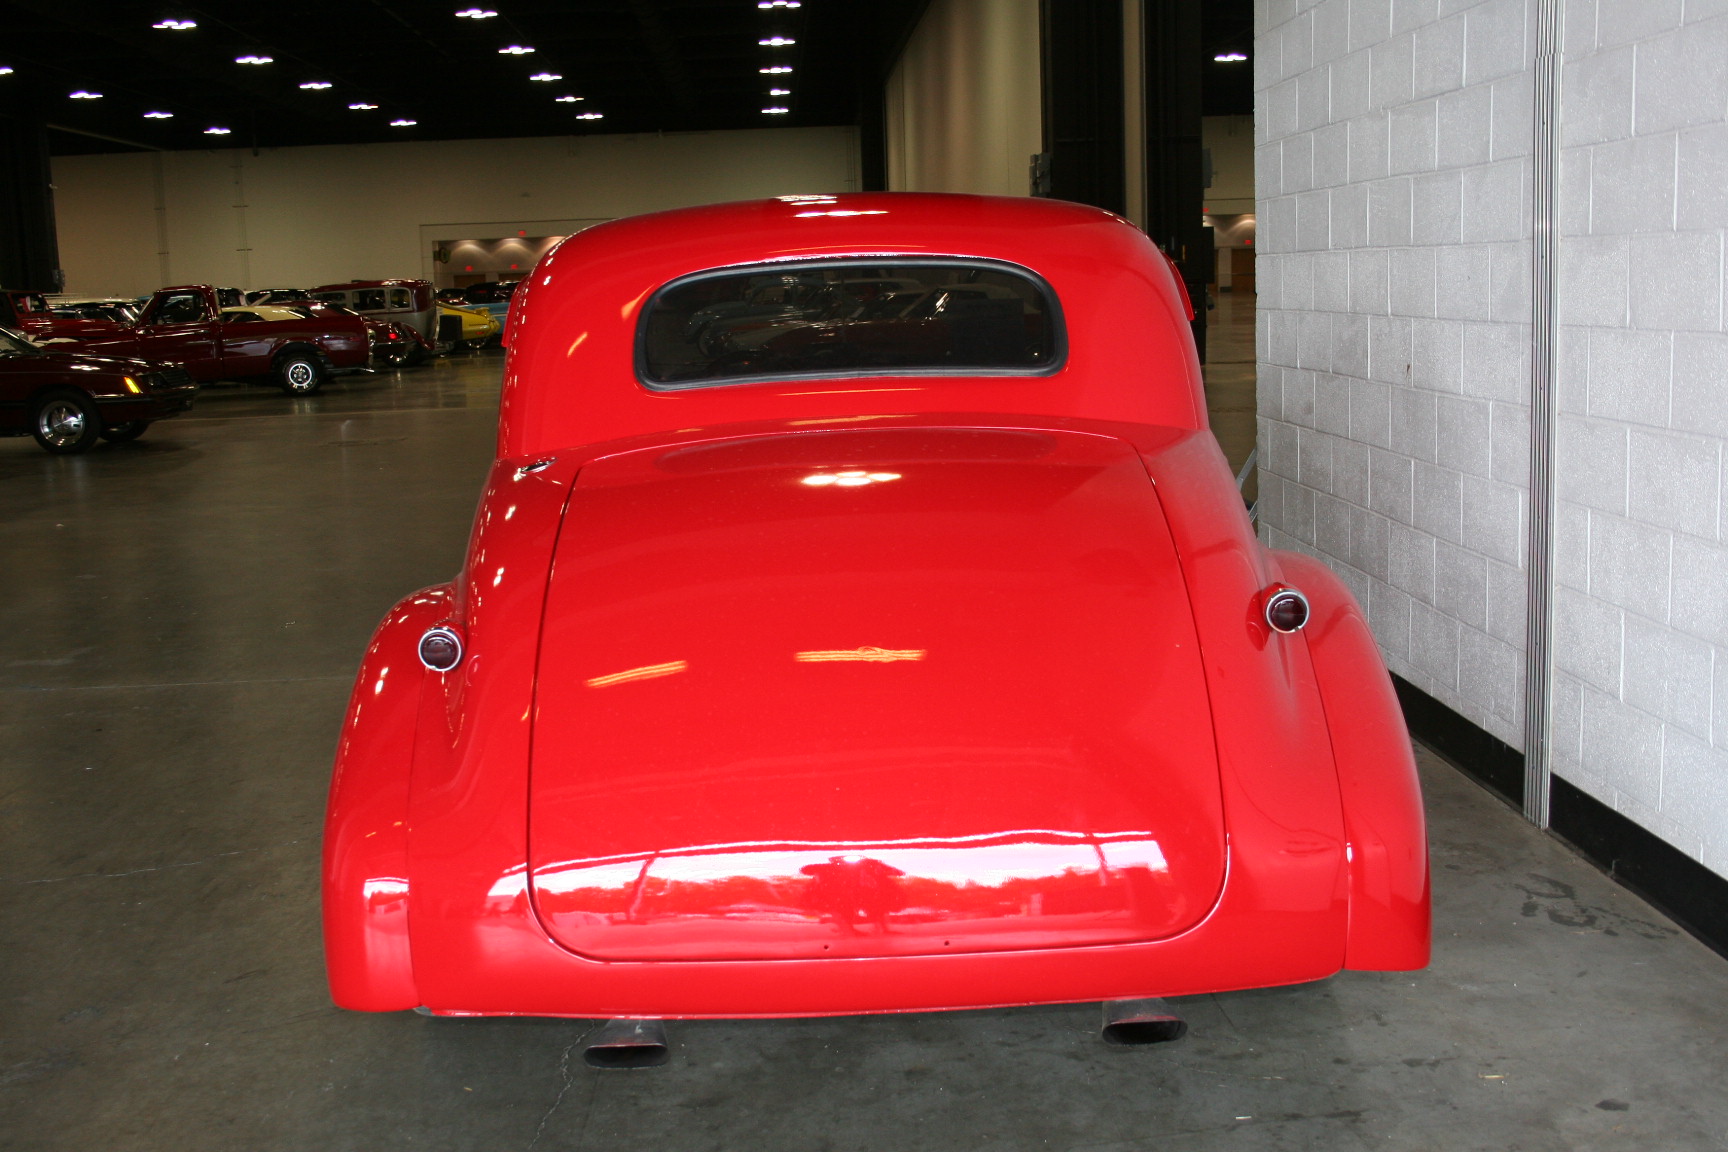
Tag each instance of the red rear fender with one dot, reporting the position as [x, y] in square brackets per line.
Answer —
[1389, 898]
[366, 824]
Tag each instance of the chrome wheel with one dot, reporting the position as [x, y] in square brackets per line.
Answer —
[300, 376]
[65, 421]
[60, 424]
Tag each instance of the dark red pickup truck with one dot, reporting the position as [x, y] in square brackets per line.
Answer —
[186, 324]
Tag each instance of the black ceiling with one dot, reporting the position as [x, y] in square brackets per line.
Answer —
[642, 65]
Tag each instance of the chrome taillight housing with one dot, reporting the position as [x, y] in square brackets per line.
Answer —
[441, 648]
[1286, 609]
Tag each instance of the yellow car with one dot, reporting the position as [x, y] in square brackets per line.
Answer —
[466, 327]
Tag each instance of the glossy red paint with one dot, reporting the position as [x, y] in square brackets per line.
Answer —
[929, 744]
[998, 724]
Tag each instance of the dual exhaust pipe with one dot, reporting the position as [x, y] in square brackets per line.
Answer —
[622, 1045]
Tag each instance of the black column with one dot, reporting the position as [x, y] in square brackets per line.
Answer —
[1083, 122]
[1175, 182]
[29, 251]
[873, 144]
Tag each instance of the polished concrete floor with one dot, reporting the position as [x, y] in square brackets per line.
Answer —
[182, 618]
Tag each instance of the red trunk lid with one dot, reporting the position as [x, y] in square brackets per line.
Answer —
[870, 693]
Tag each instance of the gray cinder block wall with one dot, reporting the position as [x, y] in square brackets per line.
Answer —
[1394, 171]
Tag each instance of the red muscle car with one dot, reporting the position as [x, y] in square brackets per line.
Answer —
[931, 666]
[68, 401]
[186, 324]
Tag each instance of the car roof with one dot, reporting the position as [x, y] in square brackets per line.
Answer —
[371, 284]
[572, 379]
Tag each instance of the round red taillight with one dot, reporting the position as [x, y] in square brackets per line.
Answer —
[1286, 610]
[440, 649]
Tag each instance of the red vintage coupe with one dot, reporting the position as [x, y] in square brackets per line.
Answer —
[923, 662]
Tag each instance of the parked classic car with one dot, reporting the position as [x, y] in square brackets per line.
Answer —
[276, 295]
[467, 327]
[492, 297]
[408, 303]
[941, 670]
[184, 324]
[115, 309]
[392, 343]
[32, 314]
[68, 401]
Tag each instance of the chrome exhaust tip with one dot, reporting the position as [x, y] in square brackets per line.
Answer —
[1139, 1022]
[628, 1044]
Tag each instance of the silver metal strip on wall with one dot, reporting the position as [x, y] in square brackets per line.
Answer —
[1539, 565]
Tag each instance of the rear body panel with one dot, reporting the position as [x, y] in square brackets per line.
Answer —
[746, 727]
[870, 693]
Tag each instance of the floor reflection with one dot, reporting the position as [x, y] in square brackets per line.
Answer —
[458, 380]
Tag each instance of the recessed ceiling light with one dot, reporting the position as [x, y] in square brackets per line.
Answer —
[252, 60]
[776, 70]
[83, 95]
[515, 50]
[158, 115]
[317, 85]
[567, 100]
[779, 91]
[590, 116]
[215, 131]
[402, 123]
[1229, 57]
[546, 76]
[362, 107]
[775, 111]
[477, 13]
[776, 42]
[176, 25]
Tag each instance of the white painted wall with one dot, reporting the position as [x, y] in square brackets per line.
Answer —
[1641, 705]
[1393, 169]
[299, 216]
[964, 111]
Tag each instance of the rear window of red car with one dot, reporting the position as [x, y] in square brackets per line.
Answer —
[849, 318]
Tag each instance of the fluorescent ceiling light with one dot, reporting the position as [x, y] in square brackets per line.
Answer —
[158, 115]
[477, 13]
[589, 115]
[215, 131]
[777, 42]
[5, 71]
[777, 3]
[402, 123]
[252, 60]
[83, 95]
[1229, 57]
[546, 76]
[317, 85]
[779, 91]
[515, 50]
[362, 107]
[567, 99]
[776, 70]
[775, 111]
[176, 25]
